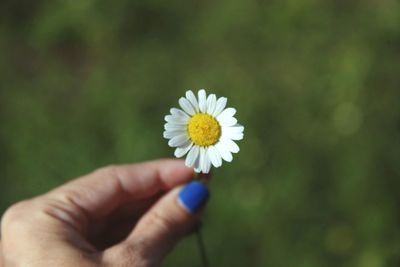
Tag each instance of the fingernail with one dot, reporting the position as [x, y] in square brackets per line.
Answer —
[193, 196]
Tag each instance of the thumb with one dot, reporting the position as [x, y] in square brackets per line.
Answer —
[171, 218]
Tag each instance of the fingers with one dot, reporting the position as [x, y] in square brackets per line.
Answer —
[56, 223]
[162, 226]
[96, 195]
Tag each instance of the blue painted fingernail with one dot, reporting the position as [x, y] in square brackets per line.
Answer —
[193, 196]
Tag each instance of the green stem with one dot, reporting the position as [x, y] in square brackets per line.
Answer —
[201, 247]
[199, 237]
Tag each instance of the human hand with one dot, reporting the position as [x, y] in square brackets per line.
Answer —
[129, 215]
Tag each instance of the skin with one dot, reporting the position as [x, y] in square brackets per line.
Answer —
[124, 215]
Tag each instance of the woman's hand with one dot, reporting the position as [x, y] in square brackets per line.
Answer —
[129, 215]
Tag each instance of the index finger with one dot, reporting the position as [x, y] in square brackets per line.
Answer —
[100, 192]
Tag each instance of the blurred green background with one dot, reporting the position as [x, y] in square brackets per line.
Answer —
[86, 83]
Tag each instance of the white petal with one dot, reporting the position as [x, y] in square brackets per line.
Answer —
[226, 117]
[229, 112]
[197, 170]
[186, 106]
[211, 103]
[234, 133]
[172, 134]
[236, 137]
[176, 120]
[208, 165]
[197, 163]
[225, 153]
[193, 100]
[230, 145]
[215, 157]
[227, 121]
[178, 113]
[192, 156]
[202, 158]
[206, 162]
[175, 127]
[237, 128]
[178, 140]
[202, 100]
[220, 105]
[181, 151]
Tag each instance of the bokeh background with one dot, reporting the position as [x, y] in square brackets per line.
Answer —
[316, 83]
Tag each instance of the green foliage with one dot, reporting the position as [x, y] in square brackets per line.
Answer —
[316, 83]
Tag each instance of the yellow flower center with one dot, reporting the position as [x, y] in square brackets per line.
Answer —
[204, 130]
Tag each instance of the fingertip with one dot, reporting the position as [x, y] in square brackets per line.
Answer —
[173, 172]
[161, 173]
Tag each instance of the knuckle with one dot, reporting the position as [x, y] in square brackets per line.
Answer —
[132, 254]
[14, 219]
[15, 212]
[63, 207]
[129, 252]
[108, 170]
[161, 221]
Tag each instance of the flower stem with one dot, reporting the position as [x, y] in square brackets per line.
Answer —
[199, 237]
[201, 247]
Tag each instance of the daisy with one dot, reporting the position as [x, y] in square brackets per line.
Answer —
[204, 130]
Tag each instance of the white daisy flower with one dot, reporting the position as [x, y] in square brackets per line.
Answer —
[204, 130]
